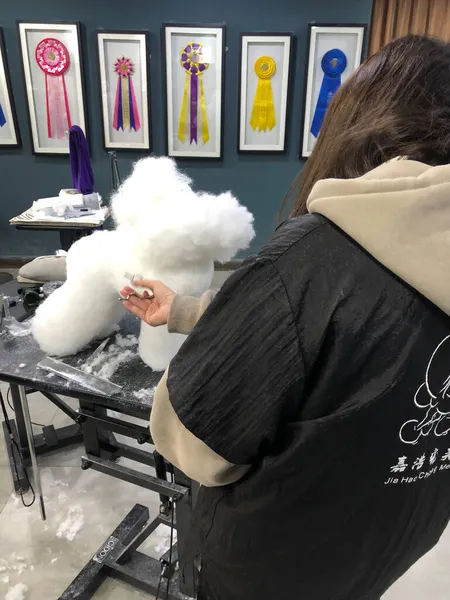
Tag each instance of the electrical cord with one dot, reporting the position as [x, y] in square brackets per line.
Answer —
[13, 445]
[159, 584]
[166, 566]
[13, 409]
[172, 524]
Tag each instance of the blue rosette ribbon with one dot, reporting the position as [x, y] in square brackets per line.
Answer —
[334, 63]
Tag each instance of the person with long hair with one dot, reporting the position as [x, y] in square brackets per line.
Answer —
[311, 399]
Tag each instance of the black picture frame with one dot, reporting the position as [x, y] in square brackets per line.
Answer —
[289, 91]
[187, 26]
[364, 27]
[85, 125]
[121, 148]
[10, 98]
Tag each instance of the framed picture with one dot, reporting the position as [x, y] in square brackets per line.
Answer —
[124, 79]
[194, 67]
[264, 91]
[9, 130]
[335, 51]
[52, 70]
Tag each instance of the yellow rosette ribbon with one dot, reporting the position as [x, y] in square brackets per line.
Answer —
[263, 112]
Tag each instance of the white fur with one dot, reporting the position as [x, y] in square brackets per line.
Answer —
[164, 230]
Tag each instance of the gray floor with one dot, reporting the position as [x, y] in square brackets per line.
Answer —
[84, 507]
[38, 560]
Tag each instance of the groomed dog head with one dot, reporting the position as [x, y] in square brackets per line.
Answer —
[152, 183]
[173, 223]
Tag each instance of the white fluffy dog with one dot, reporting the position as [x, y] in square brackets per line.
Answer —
[164, 231]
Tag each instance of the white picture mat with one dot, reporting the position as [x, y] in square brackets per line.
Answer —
[279, 48]
[30, 35]
[176, 39]
[111, 46]
[8, 134]
[349, 40]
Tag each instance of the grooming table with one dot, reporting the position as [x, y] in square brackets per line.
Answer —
[119, 556]
[50, 439]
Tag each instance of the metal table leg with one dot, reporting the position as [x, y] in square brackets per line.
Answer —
[29, 430]
[19, 420]
[184, 514]
[18, 473]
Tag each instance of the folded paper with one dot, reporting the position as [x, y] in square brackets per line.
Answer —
[193, 62]
[334, 63]
[53, 59]
[126, 114]
[263, 112]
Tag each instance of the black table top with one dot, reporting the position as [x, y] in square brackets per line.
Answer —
[19, 357]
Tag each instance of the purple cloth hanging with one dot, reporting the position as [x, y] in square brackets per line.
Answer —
[80, 161]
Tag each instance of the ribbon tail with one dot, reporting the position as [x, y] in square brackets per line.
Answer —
[271, 118]
[329, 87]
[134, 113]
[205, 128]
[2, 117]
[120, 109]
[263, 109]
[130, 100]
[183, 114]
[57, 108]
[66, 104]
[261, 105]
[194, 107]
[116, 106]
[47, 104]
[254, 120]
[125, 103]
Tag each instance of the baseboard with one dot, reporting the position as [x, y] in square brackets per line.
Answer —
[15, 262]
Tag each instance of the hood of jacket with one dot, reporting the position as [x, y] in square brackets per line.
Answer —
[400, 214]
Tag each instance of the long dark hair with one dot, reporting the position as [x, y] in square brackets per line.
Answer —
[396, 104]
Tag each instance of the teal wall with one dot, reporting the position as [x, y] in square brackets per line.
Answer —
[259, 181]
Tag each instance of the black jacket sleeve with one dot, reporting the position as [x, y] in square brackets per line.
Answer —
[238, 378]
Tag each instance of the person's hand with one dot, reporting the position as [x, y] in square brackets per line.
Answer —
[154, 310]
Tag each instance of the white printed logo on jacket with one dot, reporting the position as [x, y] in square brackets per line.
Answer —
[433, 399]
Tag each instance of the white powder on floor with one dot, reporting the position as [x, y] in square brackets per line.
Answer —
[61, 483]
[17, 558]
[17, 592]
[4, 579]
[145, 394]
[74, 521]
[53, 560]
[18, 565]
[19, 568]
[161, 539]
